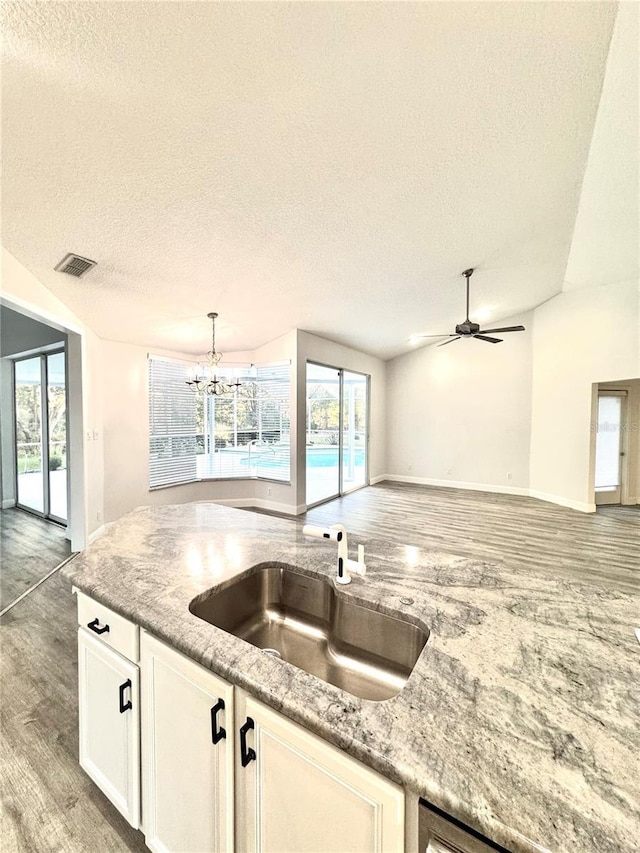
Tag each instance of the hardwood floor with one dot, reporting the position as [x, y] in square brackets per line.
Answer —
[531, 535]
[49, 804]
[30, 547]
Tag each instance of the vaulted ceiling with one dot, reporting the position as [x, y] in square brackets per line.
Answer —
[327, 166]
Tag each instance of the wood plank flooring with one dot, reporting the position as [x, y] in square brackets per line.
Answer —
[30, 547]
[528, 534]
[50, 805]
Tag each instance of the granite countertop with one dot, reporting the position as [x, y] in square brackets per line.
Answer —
[521, 715]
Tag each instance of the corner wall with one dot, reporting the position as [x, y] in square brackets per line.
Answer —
[581, 337]
[460, 415]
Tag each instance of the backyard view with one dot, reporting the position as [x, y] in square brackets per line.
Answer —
[336, 413]
[246, 434]
[41, 449]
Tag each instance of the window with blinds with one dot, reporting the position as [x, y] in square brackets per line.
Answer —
[245, 434]
[172, 425]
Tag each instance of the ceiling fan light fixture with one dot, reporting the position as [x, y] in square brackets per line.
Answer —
[469, 329]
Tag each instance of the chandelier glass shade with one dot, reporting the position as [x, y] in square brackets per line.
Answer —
[205, 379]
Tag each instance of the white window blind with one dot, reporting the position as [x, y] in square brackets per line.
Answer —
[172, 425]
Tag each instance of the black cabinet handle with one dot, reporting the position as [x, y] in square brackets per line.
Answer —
[217, 734]
[124, 706]
[246, 753]
[94, 627]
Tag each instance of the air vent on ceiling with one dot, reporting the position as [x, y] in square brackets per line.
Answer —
[74, 265]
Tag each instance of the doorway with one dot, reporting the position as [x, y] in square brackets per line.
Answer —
[337, 411]
[616, 446]
[40, 406]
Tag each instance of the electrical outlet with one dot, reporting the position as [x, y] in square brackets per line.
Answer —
[409, 467]
[269, 490]
[98, 516]
[449, 470]
[509, 475]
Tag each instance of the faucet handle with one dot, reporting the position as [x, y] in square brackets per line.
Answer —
[358, 568]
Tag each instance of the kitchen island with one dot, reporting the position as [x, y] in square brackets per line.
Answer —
[520, 716]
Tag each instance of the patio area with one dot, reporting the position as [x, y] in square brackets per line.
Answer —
[31, 492]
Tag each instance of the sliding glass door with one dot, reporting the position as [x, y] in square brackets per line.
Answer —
[336, 430]
[354, 431]
[40, 397]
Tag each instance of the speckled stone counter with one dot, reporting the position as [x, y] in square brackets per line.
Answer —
[521, 717]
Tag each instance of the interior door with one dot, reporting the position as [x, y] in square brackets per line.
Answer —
[610, 447]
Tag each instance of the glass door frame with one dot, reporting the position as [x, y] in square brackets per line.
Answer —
[341, 371]
[618, 495]
[44, 430]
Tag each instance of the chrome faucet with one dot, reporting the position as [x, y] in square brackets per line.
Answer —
[337, 533]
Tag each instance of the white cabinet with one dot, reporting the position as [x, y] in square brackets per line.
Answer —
[109, 690]
[221, 772]
[296, 792]
[187, 753]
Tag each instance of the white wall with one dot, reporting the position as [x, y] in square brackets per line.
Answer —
[581, 337]
[460, 415]
[23, 292]
[604, 248]
[591, 332]
[313, 348]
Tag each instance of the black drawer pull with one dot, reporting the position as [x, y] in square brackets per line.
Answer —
[217, 734]
[94, 627]
[124, 706]
[247, 754]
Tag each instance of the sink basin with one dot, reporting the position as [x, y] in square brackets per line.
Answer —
[307, 623]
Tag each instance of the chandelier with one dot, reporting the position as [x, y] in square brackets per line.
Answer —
[206, 379]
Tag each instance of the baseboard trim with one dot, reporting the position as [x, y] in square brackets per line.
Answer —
[488, 487]
[379, 479]
[96, 534]
[8, 503]
[556, 499]
[260, 503]
[458, 484]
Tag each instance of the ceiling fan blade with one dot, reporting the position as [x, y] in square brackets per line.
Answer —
[453, 338]
[506, 329]
[489, 340]
[434, 336]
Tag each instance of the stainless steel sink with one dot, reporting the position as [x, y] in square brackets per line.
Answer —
[305, 621]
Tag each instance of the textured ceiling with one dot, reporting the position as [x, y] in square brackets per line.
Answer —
[327, 166]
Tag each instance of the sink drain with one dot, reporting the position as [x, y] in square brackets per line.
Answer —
[274, 652]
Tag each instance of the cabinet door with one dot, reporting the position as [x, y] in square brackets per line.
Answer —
[109, 711]
[187, 753]
[298, 793]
